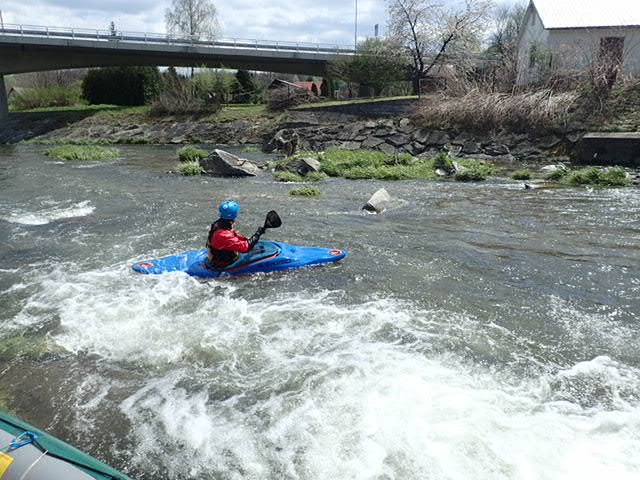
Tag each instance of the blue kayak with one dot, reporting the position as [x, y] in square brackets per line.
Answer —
[266, 256]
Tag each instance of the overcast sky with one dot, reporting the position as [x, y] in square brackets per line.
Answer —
[329, 21]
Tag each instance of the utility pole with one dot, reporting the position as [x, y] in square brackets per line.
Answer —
[355, 29]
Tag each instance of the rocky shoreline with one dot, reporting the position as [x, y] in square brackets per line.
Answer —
[313, 132]
[309, 129]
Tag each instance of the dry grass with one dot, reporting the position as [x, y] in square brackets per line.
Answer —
[540, 110]
[283, 98]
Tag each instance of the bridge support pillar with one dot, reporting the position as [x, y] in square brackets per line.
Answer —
[4, 103]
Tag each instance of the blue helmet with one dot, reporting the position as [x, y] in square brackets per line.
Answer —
[229, 209]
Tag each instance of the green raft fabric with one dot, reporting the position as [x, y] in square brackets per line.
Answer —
[62, 450]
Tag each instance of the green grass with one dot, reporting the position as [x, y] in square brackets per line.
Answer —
[522, 175]
[232, 112]
[556, 175]
[475, 170]
[470, 175]
[374, 164]
[191, 154]
[612, 177]
[306, 191]
[189, 168]
[80, 152]
[287, 176]
[53, 97]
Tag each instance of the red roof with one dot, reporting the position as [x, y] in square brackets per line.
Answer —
[308, 85]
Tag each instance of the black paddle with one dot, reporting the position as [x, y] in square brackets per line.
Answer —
[272, 220]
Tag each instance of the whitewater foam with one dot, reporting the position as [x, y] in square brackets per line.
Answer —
[50, 214]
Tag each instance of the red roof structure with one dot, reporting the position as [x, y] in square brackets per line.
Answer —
[313, 87]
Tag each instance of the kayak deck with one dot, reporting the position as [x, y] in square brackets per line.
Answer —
[266, 256]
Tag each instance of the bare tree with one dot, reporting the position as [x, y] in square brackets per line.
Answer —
[430, 30]
[192, 17]
[503, 43]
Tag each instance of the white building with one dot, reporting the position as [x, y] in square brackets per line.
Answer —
[569, 35]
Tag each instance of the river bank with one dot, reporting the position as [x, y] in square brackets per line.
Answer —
[391, 127]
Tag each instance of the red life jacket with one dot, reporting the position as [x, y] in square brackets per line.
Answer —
[225, 244]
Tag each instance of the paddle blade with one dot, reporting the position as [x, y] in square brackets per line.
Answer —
[272, 220]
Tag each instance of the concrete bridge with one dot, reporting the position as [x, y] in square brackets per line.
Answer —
[27, 48]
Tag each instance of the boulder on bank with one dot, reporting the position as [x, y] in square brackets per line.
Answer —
[224, 164]
[302, 166]
[378, 201]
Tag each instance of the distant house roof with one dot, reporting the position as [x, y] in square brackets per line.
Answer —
[310, 85]
[588, 13]
[278, 83]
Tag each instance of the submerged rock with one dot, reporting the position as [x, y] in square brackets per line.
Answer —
[378, 201]
[225, 164]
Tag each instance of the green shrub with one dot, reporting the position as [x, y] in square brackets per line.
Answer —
[191, 153]
[82, 152]
[122, 85]
[47, 97]
[521, 175]
[373, 164]
[190, 167]
[306, 191]
[470, 175]
[287, 176]
[485, 169]
[612, 177]
[443, 161]
[557, 175]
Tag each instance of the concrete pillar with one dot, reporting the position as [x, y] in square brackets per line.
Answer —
[4, 105]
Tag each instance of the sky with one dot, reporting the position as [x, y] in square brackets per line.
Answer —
[329, 21]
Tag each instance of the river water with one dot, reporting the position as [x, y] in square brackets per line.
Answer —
[474, 330]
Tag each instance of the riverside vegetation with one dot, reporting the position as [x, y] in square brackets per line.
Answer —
[81, 152]
[376, 165]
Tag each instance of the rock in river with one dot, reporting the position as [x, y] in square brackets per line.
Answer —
[378, 201]
[225, 164]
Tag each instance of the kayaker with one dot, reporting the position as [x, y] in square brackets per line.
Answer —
[224, 243]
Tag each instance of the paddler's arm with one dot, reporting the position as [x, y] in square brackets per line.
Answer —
[255, 237]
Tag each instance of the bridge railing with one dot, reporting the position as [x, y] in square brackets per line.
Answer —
[39, 31]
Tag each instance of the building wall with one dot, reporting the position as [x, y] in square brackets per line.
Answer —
[580, 48]
[569, 49]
